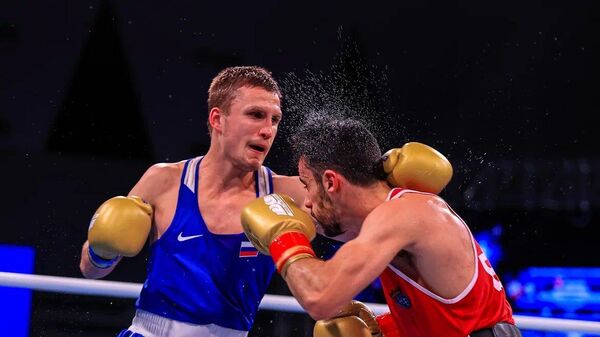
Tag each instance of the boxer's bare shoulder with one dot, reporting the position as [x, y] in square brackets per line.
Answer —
[290, 185]
[159, 187]
[157, 180]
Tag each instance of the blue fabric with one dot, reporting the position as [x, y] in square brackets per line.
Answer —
[204, 279]
[127, 333]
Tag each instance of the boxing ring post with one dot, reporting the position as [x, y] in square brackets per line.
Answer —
[77, 286]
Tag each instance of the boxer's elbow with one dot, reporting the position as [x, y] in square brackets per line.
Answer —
[318, 306]
[321, 313]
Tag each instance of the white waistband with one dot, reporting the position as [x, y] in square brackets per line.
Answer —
[151, 325]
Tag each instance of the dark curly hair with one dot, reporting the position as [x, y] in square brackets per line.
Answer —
[341, 144]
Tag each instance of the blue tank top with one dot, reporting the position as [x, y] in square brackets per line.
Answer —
[199, 277]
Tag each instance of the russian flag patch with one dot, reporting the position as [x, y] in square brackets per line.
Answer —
[248, 250]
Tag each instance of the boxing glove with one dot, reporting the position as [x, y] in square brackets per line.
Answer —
[349, 326]
[354, 320]
[120, 227]
[418, 167]
[277, 227]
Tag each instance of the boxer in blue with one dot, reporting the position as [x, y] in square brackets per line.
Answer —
[204, 277]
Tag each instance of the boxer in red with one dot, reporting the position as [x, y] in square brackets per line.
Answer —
[437, 280]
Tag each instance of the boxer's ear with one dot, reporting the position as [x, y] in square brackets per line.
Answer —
[214, 118]
[331, 181]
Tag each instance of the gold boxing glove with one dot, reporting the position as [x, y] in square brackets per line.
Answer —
[277, 227]
[354, 320]
[417, 166]
[120, 227]
[349, 326]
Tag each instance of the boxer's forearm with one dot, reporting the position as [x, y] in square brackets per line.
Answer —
[311, 284]
[323, 287]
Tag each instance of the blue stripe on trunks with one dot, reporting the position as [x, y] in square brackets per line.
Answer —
[127, 333]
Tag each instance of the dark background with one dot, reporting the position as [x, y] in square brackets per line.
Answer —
[94, 92]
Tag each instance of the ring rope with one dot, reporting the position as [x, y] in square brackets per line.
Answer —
[77, 286]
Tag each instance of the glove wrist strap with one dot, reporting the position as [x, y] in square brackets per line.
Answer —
[100, 262]
[288, 245]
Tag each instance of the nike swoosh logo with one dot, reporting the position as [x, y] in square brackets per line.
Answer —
[182, 238]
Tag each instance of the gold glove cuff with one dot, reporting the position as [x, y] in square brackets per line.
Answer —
[292, 260]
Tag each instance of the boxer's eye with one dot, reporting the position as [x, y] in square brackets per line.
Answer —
[256, 114]
[304, 184]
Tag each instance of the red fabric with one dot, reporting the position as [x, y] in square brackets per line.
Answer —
[395, 192]
[420, 314]
[388, 326]
[288, 245]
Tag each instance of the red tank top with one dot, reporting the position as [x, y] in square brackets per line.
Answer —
[420, 313]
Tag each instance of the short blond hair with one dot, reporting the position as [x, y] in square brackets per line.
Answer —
[222, 88]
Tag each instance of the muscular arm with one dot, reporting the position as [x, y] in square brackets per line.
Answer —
[150, 186]
[322, 287]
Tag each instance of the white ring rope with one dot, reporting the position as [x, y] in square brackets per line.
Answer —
[78, 286]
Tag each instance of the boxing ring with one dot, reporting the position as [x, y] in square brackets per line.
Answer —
[77, 286]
